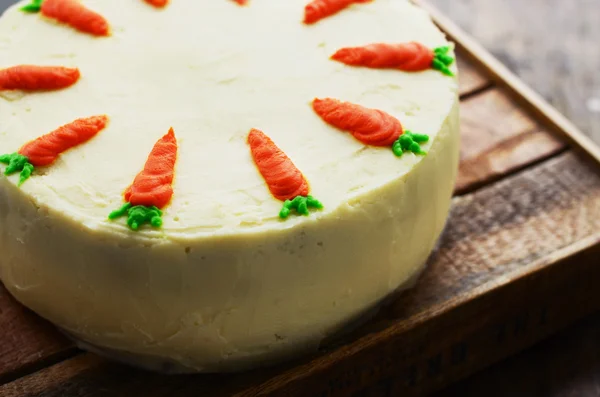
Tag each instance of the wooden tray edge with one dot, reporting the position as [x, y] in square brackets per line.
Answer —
[521, 92]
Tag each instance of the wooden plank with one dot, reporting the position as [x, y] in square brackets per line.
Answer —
[568, 78]
[489, 119]
[498, 138]
[88, 375]
[470, 79]
[507, 157]
[540, 371]
[26, 341]
[529, 242]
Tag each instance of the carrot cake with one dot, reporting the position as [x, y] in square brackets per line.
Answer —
[220, 184]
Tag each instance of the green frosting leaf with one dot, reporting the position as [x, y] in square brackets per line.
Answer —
[410, 142]
[138, 216]
[33, 7]
[301, 204]
[120, 212]
[442, 60]
[420, 138]
[17, 162]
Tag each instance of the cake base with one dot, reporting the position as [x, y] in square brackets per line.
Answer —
[171, 367]
[166, 366]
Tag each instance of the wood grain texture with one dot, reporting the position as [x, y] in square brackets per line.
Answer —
[567, 365]
[505, 243]
[489, 119]
[88, 375]
[499, 138]
[551, 44]
[470, 79]
[505, 158]
[26, 341]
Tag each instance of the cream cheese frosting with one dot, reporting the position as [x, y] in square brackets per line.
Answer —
[225, 284]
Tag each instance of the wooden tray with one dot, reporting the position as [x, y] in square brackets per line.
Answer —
[520, 260]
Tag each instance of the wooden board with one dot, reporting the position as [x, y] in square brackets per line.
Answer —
[517, 263]
[27, 342]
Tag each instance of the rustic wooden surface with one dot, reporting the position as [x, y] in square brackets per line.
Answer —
[472, 81]
[27, 343]
[544, 199]
[552, 46]
[491, 150]
[536, 373]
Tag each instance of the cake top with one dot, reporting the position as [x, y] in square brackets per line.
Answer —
[213, 71]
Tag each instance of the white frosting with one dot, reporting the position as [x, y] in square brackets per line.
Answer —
[225, 283]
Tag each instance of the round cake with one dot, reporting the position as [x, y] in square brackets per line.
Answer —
[220, 184]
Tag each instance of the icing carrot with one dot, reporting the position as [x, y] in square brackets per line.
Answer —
[409, 57]
[72, 13]
[152, 188]
[45, 150]
[241, 2]
[157, 3]
[285, 181]
[320, 9]
[370, 126]
[37, 78]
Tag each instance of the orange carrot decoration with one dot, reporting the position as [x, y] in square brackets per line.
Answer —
[157, 3]
[46, 149]
[152, 188]
[284, 180]
[369, 126]
[72, 13]
[37, 78]
[409, 57]
[320, 9]
[241, 2]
